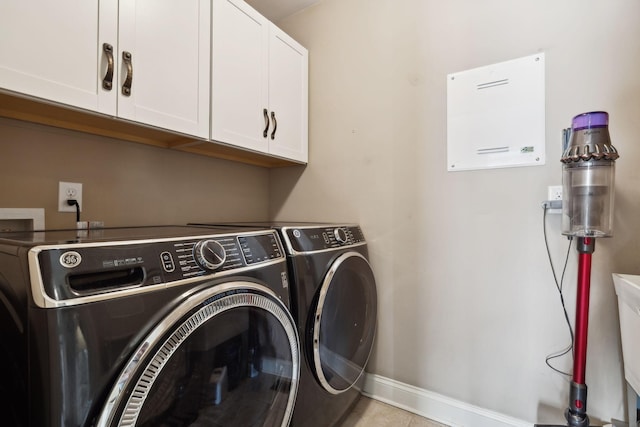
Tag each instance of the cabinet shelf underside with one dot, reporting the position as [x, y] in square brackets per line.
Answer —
[51, 114]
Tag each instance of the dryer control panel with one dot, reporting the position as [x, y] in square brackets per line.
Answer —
[312, 239]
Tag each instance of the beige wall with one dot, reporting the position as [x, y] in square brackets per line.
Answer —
[124, 183]
[467, 304]
[468, 307]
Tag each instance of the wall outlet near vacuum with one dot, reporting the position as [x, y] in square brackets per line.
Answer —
[69, 191]
[553, 204]
[554, 192]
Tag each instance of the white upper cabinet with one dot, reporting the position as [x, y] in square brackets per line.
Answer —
[288, 96]
[86, 53]
[53, 50]
[165, 47]
[239, 89]
[259, 88]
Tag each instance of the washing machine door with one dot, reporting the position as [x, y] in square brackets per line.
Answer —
[345, 322]
[227, 355]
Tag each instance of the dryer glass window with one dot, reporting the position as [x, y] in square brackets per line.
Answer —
[345, 323]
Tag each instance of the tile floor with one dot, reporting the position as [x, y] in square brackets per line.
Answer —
[373, 413]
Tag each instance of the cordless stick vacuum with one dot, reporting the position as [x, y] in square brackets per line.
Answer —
[587, 213]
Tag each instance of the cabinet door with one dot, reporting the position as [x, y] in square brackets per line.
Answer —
[53, 50]
[239, 75]
[288, 96]
[169, 44]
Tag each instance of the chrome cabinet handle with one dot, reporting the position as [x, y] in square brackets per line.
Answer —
[126, 86]
[266, 123]
[275, 125]
[107, 81]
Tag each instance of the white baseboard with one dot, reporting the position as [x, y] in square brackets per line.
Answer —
[435, 406]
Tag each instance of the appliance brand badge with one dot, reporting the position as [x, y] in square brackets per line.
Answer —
[70, 259]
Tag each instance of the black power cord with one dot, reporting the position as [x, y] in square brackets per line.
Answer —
[559, 284]
[74, 202]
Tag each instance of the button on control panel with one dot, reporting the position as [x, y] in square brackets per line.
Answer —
[167, 262]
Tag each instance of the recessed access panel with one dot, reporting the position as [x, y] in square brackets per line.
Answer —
[495, 115]
[18, 219]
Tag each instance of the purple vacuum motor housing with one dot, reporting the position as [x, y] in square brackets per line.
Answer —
[588, 177]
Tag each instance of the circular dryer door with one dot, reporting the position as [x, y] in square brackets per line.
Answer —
[227, 355]
[345, 322]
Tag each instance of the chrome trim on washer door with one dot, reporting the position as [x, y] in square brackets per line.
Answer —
[347, 365]
[245, 296]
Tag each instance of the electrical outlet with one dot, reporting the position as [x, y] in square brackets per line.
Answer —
[68, 191]
[554, 192]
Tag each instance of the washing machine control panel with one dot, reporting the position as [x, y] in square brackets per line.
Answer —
[310, 239]
[221, 253]
[74, 271]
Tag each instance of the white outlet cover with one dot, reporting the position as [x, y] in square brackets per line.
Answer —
[62, 196]
[553, 191]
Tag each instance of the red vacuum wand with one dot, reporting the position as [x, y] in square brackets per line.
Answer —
[576, 413]
[582, 308]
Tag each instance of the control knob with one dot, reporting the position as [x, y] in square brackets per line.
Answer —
[341, 235]
[209, 254]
